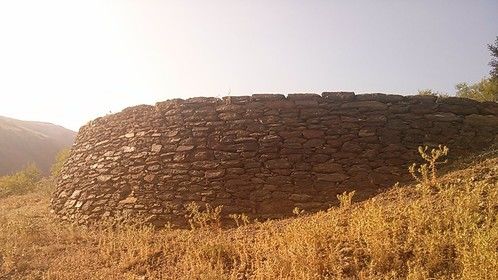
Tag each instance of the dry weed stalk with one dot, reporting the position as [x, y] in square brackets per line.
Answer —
[426, 174]
[207, 218]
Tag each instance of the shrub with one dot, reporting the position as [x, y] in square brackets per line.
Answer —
[60, 159]
[21, 182]
[426, 173]
[485, 90]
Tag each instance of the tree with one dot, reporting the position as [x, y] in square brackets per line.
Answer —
[21, 182]
[485, 90]
[60, 159]
[494, 60]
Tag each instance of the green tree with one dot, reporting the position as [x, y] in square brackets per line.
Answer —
[21, 182]
[60, 159]
[493, 48]
[485, 90]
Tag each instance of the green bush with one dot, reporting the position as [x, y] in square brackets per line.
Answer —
[60, 159]
[21, 182]
[485, 90]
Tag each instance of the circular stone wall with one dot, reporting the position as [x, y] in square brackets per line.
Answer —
[262, 155]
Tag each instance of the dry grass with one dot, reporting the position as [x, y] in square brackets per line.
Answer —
[445, 230]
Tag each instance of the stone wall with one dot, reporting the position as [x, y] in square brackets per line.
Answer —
[262, 155]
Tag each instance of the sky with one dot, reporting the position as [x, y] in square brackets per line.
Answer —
[68, 62]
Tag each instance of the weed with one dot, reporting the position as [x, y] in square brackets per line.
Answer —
[426, 174]
[345, 199]
[207, 218]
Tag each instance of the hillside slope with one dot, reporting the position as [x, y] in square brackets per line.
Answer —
[445, 231]
[22, 142]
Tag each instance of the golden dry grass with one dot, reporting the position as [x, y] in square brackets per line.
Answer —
[446, 230]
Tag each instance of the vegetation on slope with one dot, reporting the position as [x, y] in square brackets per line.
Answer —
[442, 228]
[22, 142]
[21, 182]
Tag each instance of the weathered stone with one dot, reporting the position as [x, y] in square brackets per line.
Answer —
[340, 95]
[328, 167]
[277, 164]
[104, 178]
[313, 134]
[334, 177]
[481, 120]
[265, 97]
[371, 105]
[75, 194]
[156, 148]
[149, 178]
[211, 174]
[184, 148]
[128, 200]
[155, 167]
[366, 133]
[444, 117]
[379, 97]
[303, 96]
[127, 149]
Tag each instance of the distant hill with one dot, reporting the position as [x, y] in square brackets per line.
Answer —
[22, 142]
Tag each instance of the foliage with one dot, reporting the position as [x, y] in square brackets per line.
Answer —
[207, 218]
[21, 182]
[406, 233]
[493, 48]
[60, 159]
[485, 90]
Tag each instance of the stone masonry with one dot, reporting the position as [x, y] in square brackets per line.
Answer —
[262, 155]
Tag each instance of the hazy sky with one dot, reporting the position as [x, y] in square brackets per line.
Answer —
[68, 62]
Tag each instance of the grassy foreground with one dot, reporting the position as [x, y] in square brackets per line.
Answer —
[447, 229]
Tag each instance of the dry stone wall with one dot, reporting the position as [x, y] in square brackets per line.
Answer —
[262, 155]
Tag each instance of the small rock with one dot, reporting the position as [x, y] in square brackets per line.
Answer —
[366, 133]
[277, 164]
[75, 194]
[210, 174]
[104, 178]
[313, 134]
[334, 177]
[128, 200]
[128, 149]
[184, 148]
[156, 148]
[327, 167]
[149, 177]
